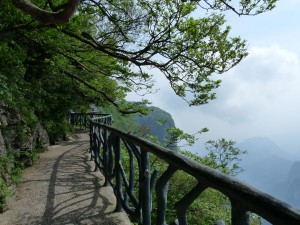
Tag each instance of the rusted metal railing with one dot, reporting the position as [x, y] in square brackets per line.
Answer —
[107, 146]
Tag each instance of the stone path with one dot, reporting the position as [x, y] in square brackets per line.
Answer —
[62, 189]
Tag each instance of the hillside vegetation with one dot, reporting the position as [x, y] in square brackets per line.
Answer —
[57, 56]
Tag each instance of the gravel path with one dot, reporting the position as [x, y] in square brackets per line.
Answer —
[61, 189]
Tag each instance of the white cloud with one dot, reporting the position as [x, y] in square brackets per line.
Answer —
[265, 85]
[261, 93]
[260, 97]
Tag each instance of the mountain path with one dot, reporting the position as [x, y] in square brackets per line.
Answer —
[62, 189]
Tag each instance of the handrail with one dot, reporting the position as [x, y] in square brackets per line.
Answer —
[83, 119]
[106, 151]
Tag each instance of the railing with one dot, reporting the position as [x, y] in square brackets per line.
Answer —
[107, 146]
[83, 119]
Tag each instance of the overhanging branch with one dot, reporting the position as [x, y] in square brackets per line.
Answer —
[100, 92]
[47, 17]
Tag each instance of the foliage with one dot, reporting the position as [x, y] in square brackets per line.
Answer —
[48, 76]
[10, 174]
[11, 168]
[58, 130]
[5, 193]
[110, 48]
[113, 47]
[211, 205]
[178, 136]
[225, 156]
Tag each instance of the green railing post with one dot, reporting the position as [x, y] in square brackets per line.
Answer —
[118, 191]
[146, 198]
[239, 216]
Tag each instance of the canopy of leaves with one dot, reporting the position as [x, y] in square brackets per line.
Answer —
[185, 41]
[44, 74]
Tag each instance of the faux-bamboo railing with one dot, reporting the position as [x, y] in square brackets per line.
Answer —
[106, 152]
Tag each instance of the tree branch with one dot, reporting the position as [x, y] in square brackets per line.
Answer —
[47, 17]
[100, 92]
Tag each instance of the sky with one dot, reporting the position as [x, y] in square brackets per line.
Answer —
[261, 95]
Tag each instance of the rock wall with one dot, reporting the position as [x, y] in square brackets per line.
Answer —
[17, 135]
[2, 145]
[20, 138]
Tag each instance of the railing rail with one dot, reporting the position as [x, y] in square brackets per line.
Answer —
[106, 152]
[83, 119]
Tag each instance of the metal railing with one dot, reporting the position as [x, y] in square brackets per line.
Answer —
[107, 146]
[83, 119]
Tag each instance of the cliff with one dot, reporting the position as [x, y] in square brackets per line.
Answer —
[16, 135]
[157, 121]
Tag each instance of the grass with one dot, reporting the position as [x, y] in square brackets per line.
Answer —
[10, 173]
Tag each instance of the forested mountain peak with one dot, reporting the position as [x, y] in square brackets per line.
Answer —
[157, 121]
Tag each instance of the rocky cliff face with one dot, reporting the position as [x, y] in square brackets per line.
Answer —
[2, 145]
[157, 121]
[289, 189]
[17, 135]
[293, 185]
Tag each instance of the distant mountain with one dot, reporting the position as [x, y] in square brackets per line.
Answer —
[267, 168]
[293, 185]
[260, 145]
[289, 190]
[157, 121]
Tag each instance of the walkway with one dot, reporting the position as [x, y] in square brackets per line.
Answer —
[61, 189]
